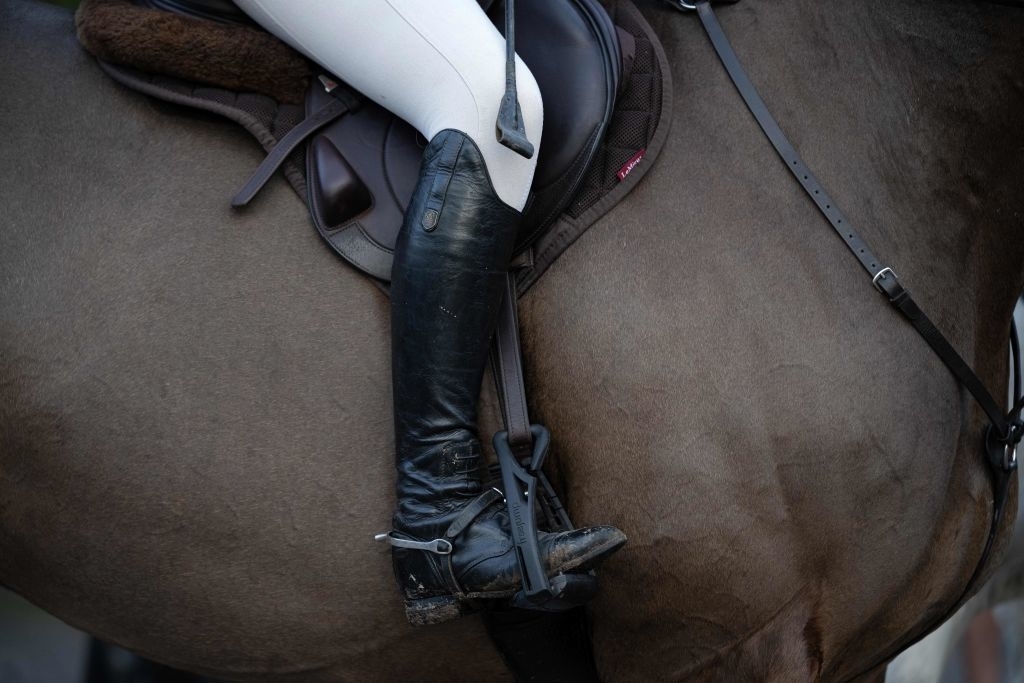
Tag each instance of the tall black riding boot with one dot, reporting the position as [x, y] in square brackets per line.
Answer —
[451, 539]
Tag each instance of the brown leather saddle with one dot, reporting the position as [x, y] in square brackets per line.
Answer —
[607, 96]
[362, 162]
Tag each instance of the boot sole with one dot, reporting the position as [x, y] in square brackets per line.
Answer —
[594, 558]
[439, 609]
[436, 610]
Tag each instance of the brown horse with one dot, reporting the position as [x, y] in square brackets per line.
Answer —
[195, 427]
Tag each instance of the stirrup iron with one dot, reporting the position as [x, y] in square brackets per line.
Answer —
[563, 591]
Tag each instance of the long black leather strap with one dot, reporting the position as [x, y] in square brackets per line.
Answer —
[999, 444]
[782, 145]
[507, 368]
[900, 298]
[883, 277]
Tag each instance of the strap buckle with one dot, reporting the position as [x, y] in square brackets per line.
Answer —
[1007, 459]
[691, 5]
[886, 282]
[883, 275]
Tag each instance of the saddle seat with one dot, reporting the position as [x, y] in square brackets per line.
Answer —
[358, 195]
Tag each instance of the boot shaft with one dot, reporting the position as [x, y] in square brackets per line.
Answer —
[449, 271]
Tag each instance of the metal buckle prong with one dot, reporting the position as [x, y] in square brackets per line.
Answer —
[881, 275]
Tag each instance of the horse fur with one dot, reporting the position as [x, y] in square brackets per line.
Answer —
[195, 427]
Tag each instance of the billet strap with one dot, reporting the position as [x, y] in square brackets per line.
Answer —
[342, 103]
[507, 368]
[1005, 430]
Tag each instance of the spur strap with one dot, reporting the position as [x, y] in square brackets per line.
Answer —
[443, 546]
[1006, 429]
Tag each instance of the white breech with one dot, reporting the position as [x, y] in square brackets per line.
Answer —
[435, 63]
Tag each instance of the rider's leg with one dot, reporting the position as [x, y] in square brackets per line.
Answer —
[449, 274]
[441, 65]
[435, 64]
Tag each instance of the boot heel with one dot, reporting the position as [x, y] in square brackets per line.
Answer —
[427, 611]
